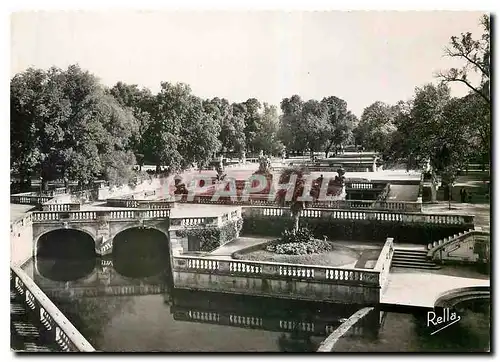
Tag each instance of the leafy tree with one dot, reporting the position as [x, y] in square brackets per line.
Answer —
[181, 132]
[267, 128]
[291, 109]
[376, 127]
[252, 120]
[341, 122]
[436, 128]
[28, 111]
[231, 123]
[64, 125]
[141, 103]
[199, 135]
[476, 56]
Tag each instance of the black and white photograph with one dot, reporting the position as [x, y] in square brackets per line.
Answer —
[250, 181]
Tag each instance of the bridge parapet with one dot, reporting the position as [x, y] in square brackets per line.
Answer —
[56, 216]
[45, 313]
[140, 204]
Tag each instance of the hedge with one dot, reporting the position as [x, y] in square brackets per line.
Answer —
[213, 237]
[358, 230]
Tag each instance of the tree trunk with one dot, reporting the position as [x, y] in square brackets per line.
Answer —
[328, 148]
[450, 193]
[433, 187]
[296, 217]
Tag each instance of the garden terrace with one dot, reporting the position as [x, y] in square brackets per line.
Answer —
[360, 225]
[302, 282]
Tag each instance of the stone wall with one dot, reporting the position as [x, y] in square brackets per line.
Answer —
[21, 240]
[280, 288]
[356, 230]
[106, 192]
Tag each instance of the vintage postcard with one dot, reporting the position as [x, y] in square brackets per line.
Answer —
[250, 181]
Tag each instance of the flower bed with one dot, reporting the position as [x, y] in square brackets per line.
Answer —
[301, 248]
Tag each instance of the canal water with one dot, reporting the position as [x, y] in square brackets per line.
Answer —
[129, 305]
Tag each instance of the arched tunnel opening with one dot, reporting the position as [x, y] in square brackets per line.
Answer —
[141, 253]
[65, 255]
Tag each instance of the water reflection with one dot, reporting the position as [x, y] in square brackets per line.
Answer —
[139, 266]
[65, 269]
[70, 279]
[122, 304]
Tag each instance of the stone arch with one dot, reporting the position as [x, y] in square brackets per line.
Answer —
[140, 257]
[72, 227]
[454, 296]
[36, 242]
[139, 226]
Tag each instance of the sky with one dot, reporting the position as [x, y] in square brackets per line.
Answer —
[361, 57]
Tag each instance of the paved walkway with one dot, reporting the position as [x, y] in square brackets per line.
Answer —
[423, 289]
[225, 251]
[18, 211]
[403, 193]
[481, 212]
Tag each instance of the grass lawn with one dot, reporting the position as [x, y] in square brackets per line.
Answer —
[332, 258]
[339, 256]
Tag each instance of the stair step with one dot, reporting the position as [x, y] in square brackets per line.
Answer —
[404, 257]
[25, 330]
[33, 347]
[13, 295]
[407, 251]
[17, 309]
[411, 265]
[413, 261]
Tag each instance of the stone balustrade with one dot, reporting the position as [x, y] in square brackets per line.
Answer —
[325, 274]
[194, 221]
[264, 200]
[140, 204]
[43, 217]
[364, 215]
[384, 261]
[29, 199]
[74, 206]
[359, 185]
[47, 315]
[441, 244]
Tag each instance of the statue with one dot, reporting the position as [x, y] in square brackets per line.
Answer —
[340, 178]
[220, 172]
[264, 164]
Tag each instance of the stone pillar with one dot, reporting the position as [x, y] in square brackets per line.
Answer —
[176, 244]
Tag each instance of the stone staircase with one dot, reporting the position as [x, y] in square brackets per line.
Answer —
[413, 259]
[25, 336]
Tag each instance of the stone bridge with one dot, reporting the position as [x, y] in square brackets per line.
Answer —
[104, 225]
[101, 226]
